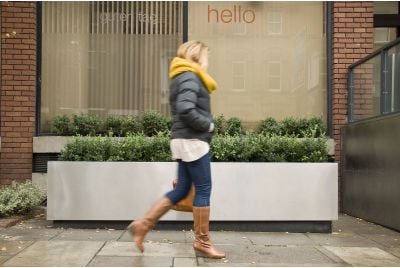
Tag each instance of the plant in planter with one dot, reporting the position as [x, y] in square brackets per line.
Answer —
[131, 125]
[112, 126]
[269, 126]
[235, 127]
[154, 122]
[86, 125]
[62, 126]
[288, 172]
[224, 148]
[220, 125]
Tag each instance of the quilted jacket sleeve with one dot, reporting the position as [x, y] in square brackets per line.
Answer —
[187, 109]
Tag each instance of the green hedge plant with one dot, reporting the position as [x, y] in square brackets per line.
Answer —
[312, 127]
[62, 126]
[19, 199]
[226, 148]
[131, 125]
[112, 126]
[86, 125]
[153, 122]
[269, 126]
[234, 126]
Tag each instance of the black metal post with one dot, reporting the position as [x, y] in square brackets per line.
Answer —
[185, 21]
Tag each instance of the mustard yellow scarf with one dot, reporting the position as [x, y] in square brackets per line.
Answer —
[179, 65]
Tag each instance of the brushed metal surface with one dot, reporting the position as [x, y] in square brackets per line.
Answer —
[241, 191]
[371, 170]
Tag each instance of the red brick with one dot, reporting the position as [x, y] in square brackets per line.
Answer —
[18, 83]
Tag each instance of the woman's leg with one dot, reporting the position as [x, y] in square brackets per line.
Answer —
[183, 186]
[200, 172]
[140, 227]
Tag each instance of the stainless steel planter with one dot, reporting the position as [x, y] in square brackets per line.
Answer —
[241, 191]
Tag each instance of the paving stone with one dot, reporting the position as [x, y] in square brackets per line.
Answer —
[272, 255]
[387, 240]
[341, 239]
[108, 261]
[279, 239]
[359, 226]
[365, 256]
[12, 234]
[7, 222]
[56, 253]
[88, 235]
[368, 228]
[158, 236]
[394, 251]
[227, 238]
[185, 262]
[3, 259]
[113, 248]
[13, 247]
[255, 264]
[34, 224]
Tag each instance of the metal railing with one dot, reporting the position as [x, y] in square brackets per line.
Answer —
[374, 84]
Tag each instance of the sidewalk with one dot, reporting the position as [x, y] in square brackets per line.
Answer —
[354, 242]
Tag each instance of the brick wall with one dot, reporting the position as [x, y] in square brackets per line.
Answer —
[353, 39]
[18, 80]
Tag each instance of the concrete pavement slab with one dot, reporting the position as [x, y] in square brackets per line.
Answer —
[56, 253]
[341, 239]
[11, 234]
[89, 235]
[109, 261]
[13, 247]
[151, 249]
[185, 262]
[4, 258]
[387, 240]
[227, 238]
[272, 255]
[365, 256]
[158, 236]
[279, 239]
[34, 223]
[394, 251]
[255, 264]
[359, 226]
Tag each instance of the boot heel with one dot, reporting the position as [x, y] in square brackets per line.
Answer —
[199, 253]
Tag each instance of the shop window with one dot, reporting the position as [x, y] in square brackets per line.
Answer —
[279, 65]
[239, 28]
[105, 58]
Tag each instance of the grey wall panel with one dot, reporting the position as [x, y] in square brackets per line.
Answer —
[371, 170]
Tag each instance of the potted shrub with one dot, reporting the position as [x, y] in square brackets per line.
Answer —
[256, 177]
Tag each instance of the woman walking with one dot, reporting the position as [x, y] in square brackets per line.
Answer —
[191, 134]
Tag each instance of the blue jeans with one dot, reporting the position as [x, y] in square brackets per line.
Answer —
[197, 172]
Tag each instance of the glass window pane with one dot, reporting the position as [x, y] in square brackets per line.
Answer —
[105, 58]
[386, 7]
[382, 36]
[295, 85]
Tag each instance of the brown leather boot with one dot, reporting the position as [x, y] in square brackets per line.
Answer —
[202, 243]
[140, 227]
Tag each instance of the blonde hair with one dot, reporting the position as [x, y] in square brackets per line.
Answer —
[191, 50]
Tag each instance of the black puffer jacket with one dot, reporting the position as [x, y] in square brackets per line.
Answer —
[190, 107]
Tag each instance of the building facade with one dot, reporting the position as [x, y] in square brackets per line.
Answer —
[272, 58]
